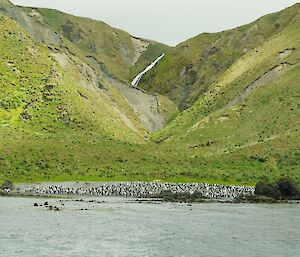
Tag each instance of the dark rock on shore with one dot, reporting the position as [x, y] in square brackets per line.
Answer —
[254, 199]
[282, 189]
[53, 208]
[268, 190]
[265, 191]
[288, 188]
[184, 197]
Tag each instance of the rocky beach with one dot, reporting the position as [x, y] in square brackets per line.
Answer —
[132, 189]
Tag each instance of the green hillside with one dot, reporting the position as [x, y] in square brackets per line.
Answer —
[251, 112]
[115, 49]
[59, 121]
[43, 105]
[67, 111]
[189, 69]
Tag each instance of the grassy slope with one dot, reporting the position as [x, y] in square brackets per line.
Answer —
[44, 111]
[188, 70]
[153, 51]
[50, 132]
[109, 51]
[112, 46]
[42, 141]
[259, 135]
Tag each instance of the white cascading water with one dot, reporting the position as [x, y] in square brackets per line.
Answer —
[138, 78]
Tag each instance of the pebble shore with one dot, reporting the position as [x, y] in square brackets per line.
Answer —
[137, 189]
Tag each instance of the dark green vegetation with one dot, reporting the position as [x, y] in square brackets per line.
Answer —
[63, 117]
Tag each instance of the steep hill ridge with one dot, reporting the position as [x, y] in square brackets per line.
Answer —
[109, 51]
[188, 70]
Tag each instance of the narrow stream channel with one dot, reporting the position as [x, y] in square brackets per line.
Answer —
[138, 78]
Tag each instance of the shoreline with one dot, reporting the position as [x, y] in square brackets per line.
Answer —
[130, 189]
[144, 192]
[145, 200]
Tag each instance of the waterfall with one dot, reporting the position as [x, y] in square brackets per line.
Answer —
[138, 78]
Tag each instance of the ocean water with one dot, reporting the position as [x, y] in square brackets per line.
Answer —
[123, 227]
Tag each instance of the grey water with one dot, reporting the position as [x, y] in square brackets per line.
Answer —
[122, 227]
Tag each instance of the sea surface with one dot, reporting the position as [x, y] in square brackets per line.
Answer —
[125, 227]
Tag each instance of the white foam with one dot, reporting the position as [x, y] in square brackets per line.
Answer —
[138, 78]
